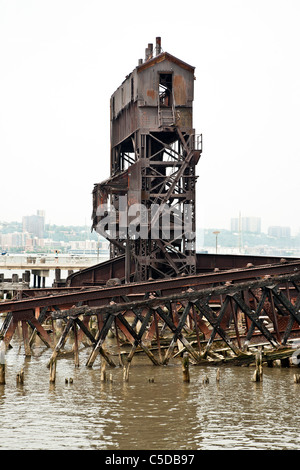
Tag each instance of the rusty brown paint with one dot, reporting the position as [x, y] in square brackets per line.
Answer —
[179, 90]
[152, 94]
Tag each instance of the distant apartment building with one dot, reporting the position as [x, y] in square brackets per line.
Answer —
[12, 240]
[246, 224]
[279, 232]
[34, 224]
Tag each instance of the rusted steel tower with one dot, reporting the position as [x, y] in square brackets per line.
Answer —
[146, 209]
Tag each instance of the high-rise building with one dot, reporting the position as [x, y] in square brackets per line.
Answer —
[35, 224]
[246, 224]
[279, 232]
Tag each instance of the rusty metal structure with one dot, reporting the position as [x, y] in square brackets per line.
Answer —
[156, 288]
[154, 153]
[237, 308]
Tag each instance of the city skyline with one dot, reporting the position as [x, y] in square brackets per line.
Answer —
[234, 224]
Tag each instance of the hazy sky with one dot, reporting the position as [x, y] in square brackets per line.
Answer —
[61, 60]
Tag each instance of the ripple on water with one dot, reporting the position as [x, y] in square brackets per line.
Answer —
[164, 414]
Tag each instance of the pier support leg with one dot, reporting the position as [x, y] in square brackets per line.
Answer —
[98, 344]
[2, 374]
[60, 343]
[52, 372]
[126, 371]
[258, 374]
[76, 351]
[2, 362]
[26, 338]
[185, 368]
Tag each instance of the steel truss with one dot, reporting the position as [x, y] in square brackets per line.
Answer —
[162, 180]
[237, 315]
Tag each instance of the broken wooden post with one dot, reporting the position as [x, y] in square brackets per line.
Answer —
[76, 351]
[258, 374]
[296, 378]
[126, 371]
[157, 335]
[52, 371]
[26, 338]
[2, 362]
[118, 343]
[185, 367]
[206, 380]
[218, 375]
[20, 377]
[102, 370]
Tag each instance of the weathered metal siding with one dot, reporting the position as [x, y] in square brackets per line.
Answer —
[125, 124]
[124, 95]
[134, 183]
[183, 83]
[134, 104]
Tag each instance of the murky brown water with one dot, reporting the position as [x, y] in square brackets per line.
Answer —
[166, 414]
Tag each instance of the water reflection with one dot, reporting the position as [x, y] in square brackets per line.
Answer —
[163, 414]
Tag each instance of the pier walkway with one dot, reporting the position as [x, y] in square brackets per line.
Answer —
[36, 262]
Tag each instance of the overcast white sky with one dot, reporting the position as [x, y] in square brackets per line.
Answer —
[61, 60]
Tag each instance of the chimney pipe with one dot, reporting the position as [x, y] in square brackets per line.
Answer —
[149, 52]
[158, 45]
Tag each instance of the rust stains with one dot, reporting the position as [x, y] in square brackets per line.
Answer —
[151, 94]
[179, 90]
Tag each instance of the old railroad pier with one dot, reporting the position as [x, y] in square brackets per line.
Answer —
[155, 294]
[217, 318]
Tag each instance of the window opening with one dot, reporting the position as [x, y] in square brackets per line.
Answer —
[165, 89]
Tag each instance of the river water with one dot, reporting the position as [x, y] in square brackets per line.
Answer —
[154, 410]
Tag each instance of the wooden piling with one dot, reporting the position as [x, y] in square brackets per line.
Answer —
[20, 377]
[126, 371]
[258, 373]
[118, 344]
[2, 362]
[185, 368]
[157, 335]
[103, 371]
[26, 338]
[297, 378]
[76, 350]
[2, 374]
[52, 371]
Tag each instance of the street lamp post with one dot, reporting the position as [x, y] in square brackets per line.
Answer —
[216, 233]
